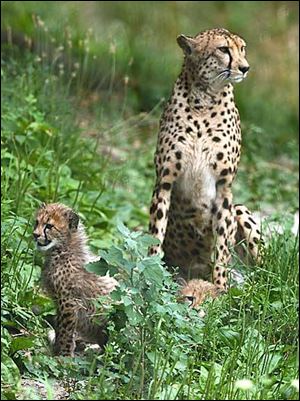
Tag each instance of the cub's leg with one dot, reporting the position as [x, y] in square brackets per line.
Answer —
[248, 231]
[65, 335]
[90, 331]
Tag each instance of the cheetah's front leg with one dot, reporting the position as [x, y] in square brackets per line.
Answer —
[170, 165]
[248, 230]
[66, 328]
[159, 213]
[224, 226]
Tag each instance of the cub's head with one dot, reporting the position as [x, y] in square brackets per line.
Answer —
[216, 56]
[54, 225]
[196, 291]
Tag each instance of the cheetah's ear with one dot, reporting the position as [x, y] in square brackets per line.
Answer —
[42, 206]
[73, 220]
[186, 43]
[181, 282]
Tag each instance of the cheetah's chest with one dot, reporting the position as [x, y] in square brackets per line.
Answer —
[197, 183]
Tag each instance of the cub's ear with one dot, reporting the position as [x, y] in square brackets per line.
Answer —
[73, 220]
[42, 206]
[181, 282]
[186, 43]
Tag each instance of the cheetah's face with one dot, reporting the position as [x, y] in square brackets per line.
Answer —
[195, 292]
[216, 56]
[54, 225]
[194, 297]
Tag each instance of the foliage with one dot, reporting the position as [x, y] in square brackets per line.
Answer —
[115, 47]
[161, 350]
[75, 130]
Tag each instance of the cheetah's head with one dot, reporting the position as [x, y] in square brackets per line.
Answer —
[216, 57]
[196, 291]
[54, 225]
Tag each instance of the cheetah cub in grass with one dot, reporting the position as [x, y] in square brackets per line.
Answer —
[61, 236]
[198, 150]
[196, 291]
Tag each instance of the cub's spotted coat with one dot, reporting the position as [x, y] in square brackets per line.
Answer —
[59, 233]
[198, 150]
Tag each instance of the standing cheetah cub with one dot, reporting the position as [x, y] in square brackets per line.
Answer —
[198, 150]
[61, 236]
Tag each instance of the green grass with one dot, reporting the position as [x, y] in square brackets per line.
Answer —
[145, 50]
[88, 140]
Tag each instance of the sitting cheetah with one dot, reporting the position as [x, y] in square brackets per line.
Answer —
[59, 233]
[198, 150]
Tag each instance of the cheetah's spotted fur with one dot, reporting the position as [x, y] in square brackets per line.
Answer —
[196, 291]
[59, 233]
[198, 150]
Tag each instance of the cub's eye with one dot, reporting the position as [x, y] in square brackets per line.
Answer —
[190, 299]
[243, 48]
[49, 226]
[224, 49]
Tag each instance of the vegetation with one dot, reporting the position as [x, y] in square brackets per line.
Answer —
[80, 111]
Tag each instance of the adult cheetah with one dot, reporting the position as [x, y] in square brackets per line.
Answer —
[198, 150]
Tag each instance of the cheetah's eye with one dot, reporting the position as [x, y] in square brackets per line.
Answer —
[190, 299]
[49, 226]
[243, 48]
[224, 49]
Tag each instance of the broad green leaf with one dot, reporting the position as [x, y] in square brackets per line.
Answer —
[272, 361]
[101, 267]
[134, 316]
[19, 343]
[113, 256]
[9, 371]
[147, 240]
[122, 229]
[229, 336]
